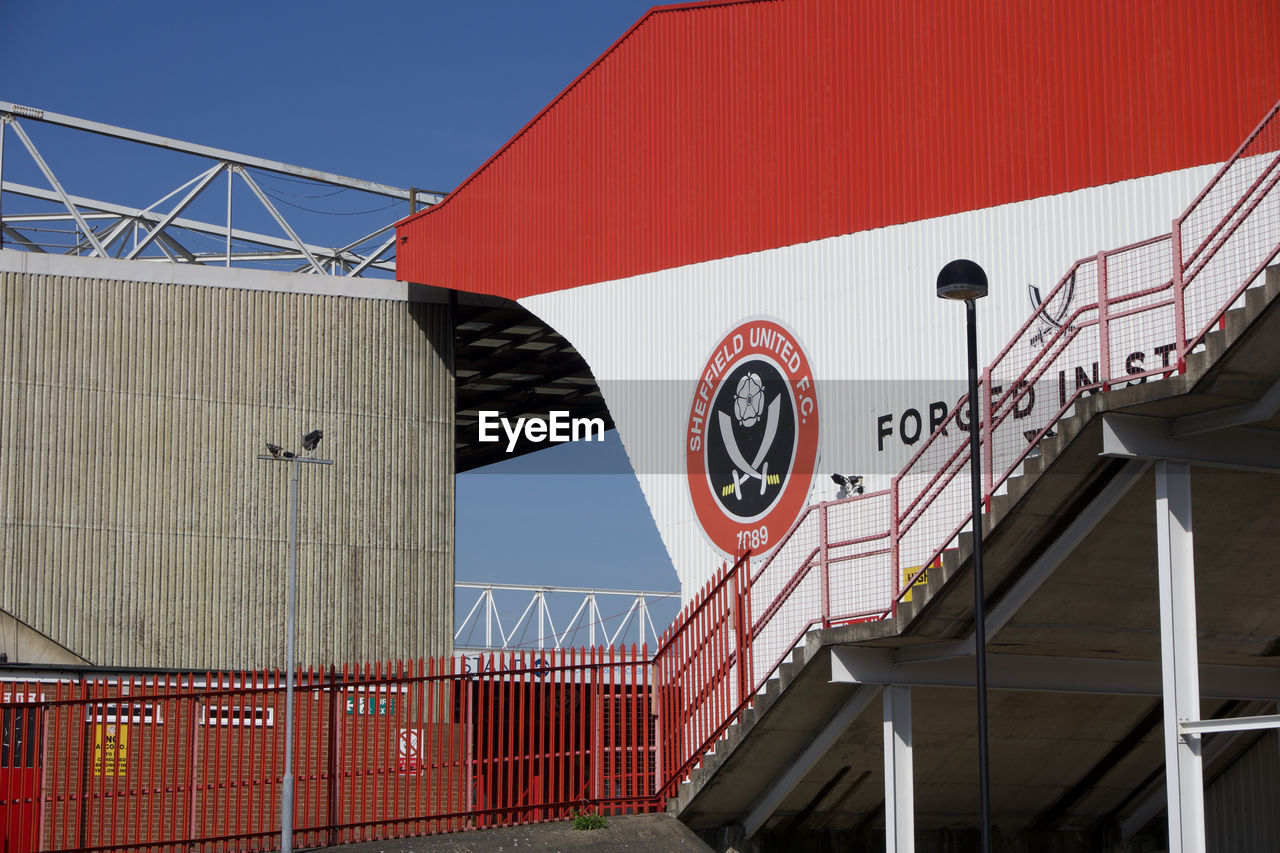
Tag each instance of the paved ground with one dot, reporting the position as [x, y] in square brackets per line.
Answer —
[656, 833]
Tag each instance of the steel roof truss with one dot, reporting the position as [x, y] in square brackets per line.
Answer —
[202, 181]
[53, 182]
[278, 217]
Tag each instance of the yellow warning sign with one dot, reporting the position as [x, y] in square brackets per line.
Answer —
[906, 575]
[110, 749]
[908, 571]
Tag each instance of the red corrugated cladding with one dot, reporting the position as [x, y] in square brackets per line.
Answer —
[725, 128]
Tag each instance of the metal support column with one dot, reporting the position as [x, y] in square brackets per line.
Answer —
[899, 781]
[4, 125]
[286, 786]
[1184, 777]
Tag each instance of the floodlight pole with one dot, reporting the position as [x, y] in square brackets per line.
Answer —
[291, 619]
[964, 279]
[291, 630]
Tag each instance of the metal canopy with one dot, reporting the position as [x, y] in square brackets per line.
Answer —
[511, 362]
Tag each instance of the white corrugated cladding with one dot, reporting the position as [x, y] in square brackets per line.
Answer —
[864, 308]
[1240, 805]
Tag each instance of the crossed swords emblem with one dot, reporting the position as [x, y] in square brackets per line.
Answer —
[753, 470]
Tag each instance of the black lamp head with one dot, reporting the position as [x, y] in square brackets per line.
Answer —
[962, 279]
[312, 439]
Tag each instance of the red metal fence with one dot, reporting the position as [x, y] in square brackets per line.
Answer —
[434, 747]
[381, 752]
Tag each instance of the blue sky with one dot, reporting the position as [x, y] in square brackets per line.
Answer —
[405, 93]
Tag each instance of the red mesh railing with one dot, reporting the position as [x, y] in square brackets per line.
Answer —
[1124, 316]
[1227, 235]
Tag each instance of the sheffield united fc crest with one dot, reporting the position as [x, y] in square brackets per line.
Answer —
[751, 441]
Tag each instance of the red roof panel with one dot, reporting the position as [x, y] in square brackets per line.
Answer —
[719, 129]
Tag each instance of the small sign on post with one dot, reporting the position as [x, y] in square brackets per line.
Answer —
[110, 749]
[409, 751]
[371, 706]
[909, 571]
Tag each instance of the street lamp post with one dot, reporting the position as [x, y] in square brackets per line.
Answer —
[277, 454]
[964, 279]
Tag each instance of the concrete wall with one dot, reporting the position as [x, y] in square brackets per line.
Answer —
[137, 526]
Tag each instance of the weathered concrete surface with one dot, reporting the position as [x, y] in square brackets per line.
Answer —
[19, 642]
[137, 526]
[1067, 762]
[655, 833]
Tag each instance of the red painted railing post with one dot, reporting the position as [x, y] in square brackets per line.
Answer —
[822, 557]
[597, 722]
[334, 722]
[742, 626]
[988, 438]
[86, 758]
[193, 755]
[1179, 298]
[1104, 325]
[894, 549]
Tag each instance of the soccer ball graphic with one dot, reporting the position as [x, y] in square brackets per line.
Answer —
[748, 400]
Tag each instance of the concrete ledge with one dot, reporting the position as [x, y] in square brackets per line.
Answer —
[653, 833]
[159, 272]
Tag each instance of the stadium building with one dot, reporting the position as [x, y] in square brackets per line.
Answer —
[817, 163]
[722, 239]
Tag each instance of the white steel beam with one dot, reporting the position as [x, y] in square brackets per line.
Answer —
[150, 218]
[201, 182]
[587, 614]
[1215, 753]
[515, 587]
[279, 218]
[372, 257]
[1229, 724]
[53, 182]
[1133, 436]
[276, 166]
[769, 801]
[626, 620]
[1041, 673]
[1184, 776]
[4, 125]
[171, 246]
[899, 779]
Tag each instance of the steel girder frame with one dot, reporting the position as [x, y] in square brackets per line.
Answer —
[163, 231]
[587, 616]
